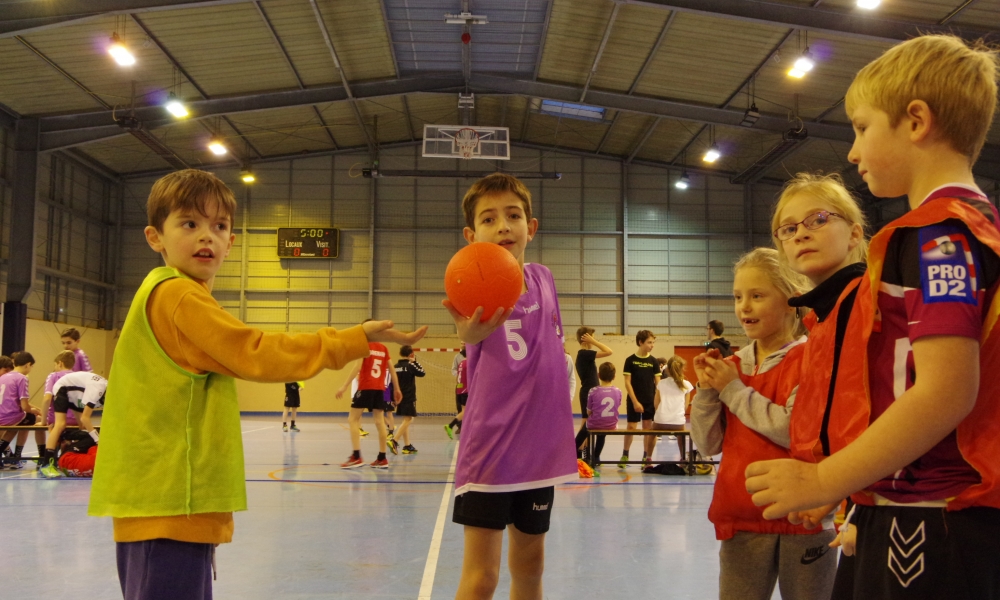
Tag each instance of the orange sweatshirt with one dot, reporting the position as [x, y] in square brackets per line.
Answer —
[201, 337]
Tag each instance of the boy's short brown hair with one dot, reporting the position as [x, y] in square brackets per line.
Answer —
[582, 332]
[6, 363]
[22, 358]
[189, 189]
[642, 336]
[606, 371]
[497, 183]
[958, 82]
[66, 358]
[72, 333]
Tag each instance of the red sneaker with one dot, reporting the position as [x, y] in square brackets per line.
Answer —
[380, 464]
[352, 463]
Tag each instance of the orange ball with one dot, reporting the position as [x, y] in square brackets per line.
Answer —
[483, 274]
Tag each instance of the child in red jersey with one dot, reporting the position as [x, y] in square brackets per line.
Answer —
[371, 397]
[927, 514]
[742, 409]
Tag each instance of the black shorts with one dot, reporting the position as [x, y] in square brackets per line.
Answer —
[460, 401]
[292, 401]
[369, 400]
[61, 403]
[528, 510]
[908, 553]
[634, 417]
[407, 408]
[29, 419]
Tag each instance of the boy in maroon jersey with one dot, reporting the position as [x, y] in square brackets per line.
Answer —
[928, 516]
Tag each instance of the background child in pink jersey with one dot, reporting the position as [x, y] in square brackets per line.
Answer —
[603, 403]
[71, 341]
[517, 441]
[15, 410]
[64, 365]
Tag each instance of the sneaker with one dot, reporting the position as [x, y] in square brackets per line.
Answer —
[703, 469]
[362, 432]
[389, 436]
[622, 461]
[380, 464]
[50, 471]
[409, 449]
[451, 434]
[352, 463]
[284, 428]
[393, 446]
[294, 427]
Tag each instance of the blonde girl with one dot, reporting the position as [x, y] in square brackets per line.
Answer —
[742, 408]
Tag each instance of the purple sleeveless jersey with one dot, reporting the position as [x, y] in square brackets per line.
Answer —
[517, 433]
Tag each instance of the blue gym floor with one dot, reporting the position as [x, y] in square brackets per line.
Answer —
[316, 531]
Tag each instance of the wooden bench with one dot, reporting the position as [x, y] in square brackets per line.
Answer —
[688, 460]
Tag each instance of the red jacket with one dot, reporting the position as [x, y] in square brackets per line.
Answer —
[978, 434]
[732, 509]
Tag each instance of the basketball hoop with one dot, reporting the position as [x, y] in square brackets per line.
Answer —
[466, 141]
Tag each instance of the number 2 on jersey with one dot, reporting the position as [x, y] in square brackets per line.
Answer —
[607, 411]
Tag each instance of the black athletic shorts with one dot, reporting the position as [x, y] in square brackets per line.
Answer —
[292, 401]
[369, 400]
[906, 553]
[528, 510]
[29, 419]
[634, 417]
[407, 408]
[460, 401]
[61, 403]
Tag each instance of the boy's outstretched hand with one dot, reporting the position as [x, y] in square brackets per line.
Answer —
[382, 331]
[787, 485]
[471, 330]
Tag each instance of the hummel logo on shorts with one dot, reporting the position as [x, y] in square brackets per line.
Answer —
[813, 554]
[542, 507]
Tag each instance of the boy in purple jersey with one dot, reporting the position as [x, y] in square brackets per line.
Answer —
[603, 403]
[71, 341]
[64, 366]
[15, 409]
[517, 441]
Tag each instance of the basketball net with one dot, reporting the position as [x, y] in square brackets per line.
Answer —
[467, 141]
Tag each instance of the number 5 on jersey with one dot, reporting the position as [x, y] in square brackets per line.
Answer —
[516, 345]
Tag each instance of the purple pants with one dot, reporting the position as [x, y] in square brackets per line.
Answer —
[165, 570]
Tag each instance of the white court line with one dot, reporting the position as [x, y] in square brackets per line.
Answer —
[430, 568]
[261, 429]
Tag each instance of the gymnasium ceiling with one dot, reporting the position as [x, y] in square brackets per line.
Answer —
[280, 78]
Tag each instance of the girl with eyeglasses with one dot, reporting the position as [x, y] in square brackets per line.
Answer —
[818, 229]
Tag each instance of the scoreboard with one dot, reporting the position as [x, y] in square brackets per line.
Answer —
[308, 242]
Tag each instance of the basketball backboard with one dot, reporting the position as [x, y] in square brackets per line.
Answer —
[466, 141]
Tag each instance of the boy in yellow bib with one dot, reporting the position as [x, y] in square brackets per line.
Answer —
[170, 470]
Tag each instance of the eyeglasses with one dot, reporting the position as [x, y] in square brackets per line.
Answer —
[812, 222]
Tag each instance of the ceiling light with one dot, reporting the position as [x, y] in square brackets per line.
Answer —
[750, 116]
[712, 154]
[802, 65]
[175, 106]
[247, 176]
[119, 52]
[684, 182]
[465, 19]
[217, 147]
[869, 4]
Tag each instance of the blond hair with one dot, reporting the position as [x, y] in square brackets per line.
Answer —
[786, 281]
[958, 82]
[495, 183]
[830, 190]
[189, 189]
[675, 368]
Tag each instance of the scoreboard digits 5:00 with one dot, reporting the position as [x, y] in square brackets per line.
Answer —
[308, 242]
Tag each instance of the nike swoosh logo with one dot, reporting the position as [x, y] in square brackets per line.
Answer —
[814, 554]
